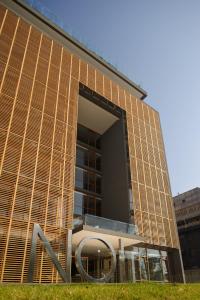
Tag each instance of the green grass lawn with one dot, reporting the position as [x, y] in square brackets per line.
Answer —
[138, 291]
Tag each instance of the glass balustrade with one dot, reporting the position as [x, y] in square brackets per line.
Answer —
[107, 224]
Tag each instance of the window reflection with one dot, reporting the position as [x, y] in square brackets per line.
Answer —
[165, 270]
[81, 179]
[143, 268]
[164, 265]
[150, 264]
[85, 204]
[155, 269]
[78, 203]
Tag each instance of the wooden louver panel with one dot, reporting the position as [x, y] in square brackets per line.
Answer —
[39, 83]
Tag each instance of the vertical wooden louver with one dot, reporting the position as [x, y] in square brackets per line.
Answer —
[39, 86]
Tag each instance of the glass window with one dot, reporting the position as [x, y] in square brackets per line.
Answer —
[98, 184]
[78, 210]
[136, 250]
[92, 139]
[98, 207]
[86, 211]
[85, 205]
[164, 263]
[78, 199]
[78, 203]
[142, 252]
[87, 180]
[143, 268]
[91, 203]
[81, 179]
[81, 156]
[163, 253]
[128, 268]
[92, 162]
[137, 267]
[165, 269]
[155, 267]
[98, 143]
[98, 162]
[153, 252]
[91, 182]
[82, 134]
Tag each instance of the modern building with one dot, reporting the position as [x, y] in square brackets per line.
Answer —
[84, 186]
[187, 210]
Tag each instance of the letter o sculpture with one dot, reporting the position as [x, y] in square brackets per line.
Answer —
[80, 267]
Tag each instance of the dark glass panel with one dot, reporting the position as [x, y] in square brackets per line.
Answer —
[81, 157]
[78, 203]
[81, 179]
[155, 269]
[165, 269]
[88, 160]
[98, 207]
[91, 203]
[92, 162]
[155, 266]
[143, 268]
[137, 268]
[85, 204]
[98, 143]
[98, 162]
[91, 182]
[92, 139]
[98, 184]
[82, 134]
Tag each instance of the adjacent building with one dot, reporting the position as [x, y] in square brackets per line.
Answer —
[187, 210]
[84, 186]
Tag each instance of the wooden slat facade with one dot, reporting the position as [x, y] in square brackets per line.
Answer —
[39, 88]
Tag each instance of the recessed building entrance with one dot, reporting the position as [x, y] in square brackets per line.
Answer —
[102, 166]
[102, 201]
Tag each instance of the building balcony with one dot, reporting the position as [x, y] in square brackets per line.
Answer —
[106, 224]
[111, 230]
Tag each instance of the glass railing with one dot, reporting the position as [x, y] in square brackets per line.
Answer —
[108, 224]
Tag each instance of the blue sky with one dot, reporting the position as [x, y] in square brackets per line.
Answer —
[156, 43]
